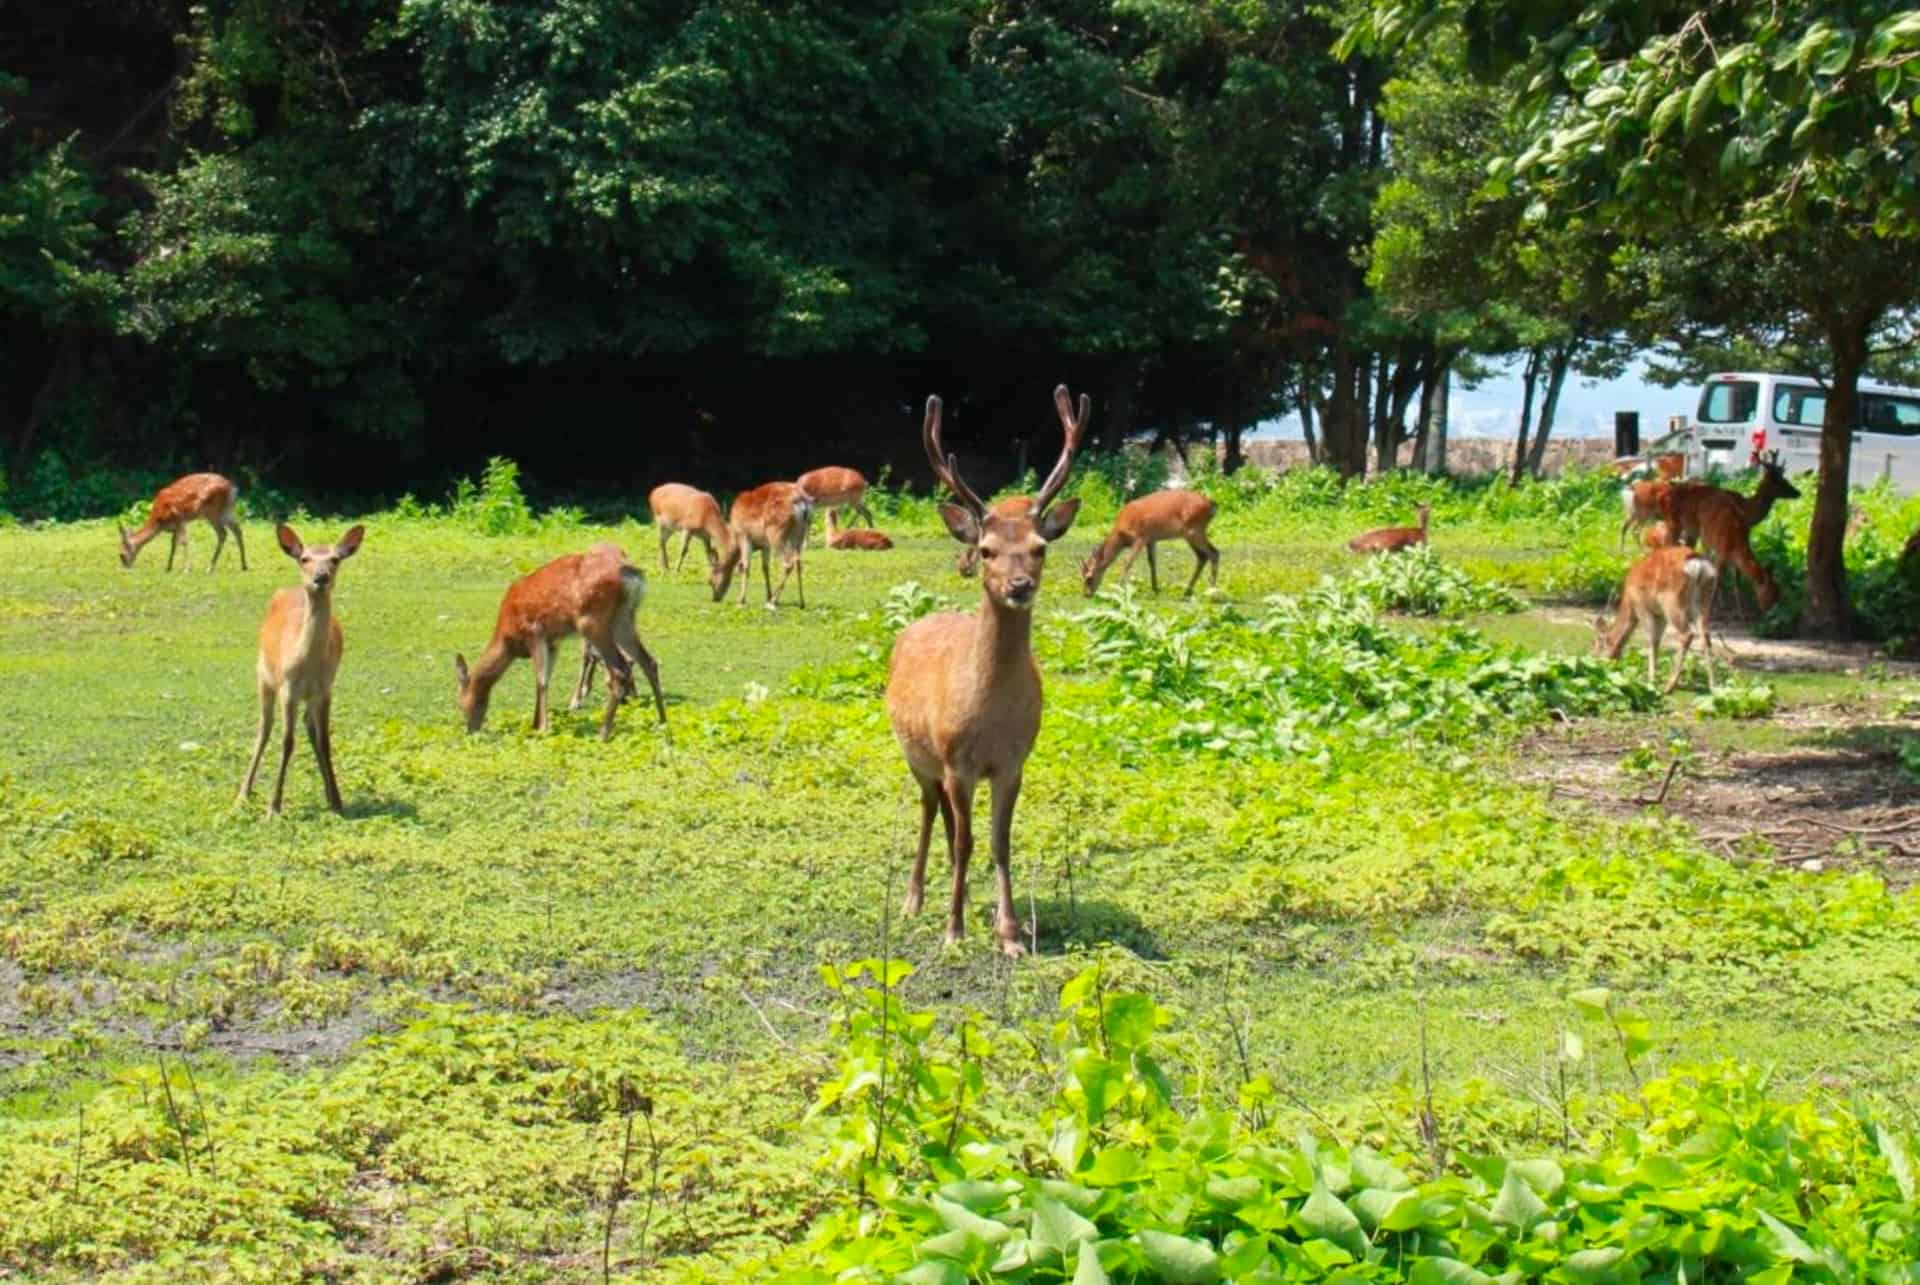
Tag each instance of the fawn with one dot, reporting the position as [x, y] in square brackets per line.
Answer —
[1392, 539]
[197, 497]
[678, 507]
[774, 516]
[1670, 586]
[300, 648]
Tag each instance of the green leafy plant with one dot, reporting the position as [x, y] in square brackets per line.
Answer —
[1738, 700]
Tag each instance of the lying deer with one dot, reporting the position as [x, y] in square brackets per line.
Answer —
[680, 508]
[197, 497]
[855, 538]
[1014, 506]
[593, 594]
[1722, 521]
[300, 648]
[1392, 539]
[836, 489]
[963, 691]
[774, 516]
[1142, 524]
[1670, 586]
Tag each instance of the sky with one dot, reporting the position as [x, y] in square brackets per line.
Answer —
[1586, 407]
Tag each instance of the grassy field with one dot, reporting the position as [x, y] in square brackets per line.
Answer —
[382, 1045]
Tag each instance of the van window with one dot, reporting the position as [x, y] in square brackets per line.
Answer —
[1730, 401]
[1880, 413]
[1798, 404]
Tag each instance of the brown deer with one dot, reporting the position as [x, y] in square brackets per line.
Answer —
[1642, 502]
[197, 497]
[1392, 539]
[300, 648]
[963, 691]
[678, 507]
[854, 538]
[593, 594]
[1722, 522]
[1657, 536]
[1014, 506]
[774, 516]
[1670, 586]
[1142, 524]
[836, 489]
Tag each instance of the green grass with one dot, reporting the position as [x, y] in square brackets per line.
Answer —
[686, 891]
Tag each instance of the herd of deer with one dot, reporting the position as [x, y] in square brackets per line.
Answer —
[963, 691]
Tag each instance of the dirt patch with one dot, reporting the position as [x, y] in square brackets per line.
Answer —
[1733, 639]
[1835, 797]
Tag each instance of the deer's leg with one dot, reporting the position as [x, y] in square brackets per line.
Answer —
[1201, 560]
[1006, 925]
[320, 737]
[930, 803]
[239, 542]
[766, 570]
[686, 542]
[259, 743]
[583, 688]
[746, 571]
[860, 507]
[651, 668]
[219, 543]
[666, 536]
[288, 713]
[1679, 661]
[960, 799]
[791, 567]
[173, 547]
[1153, 565]
[1656, 625]
[1706, 648]
[541, 653]
[1126, 568]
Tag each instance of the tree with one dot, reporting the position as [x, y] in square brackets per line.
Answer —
[1782, 129]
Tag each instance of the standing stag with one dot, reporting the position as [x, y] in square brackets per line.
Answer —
[1392, 539]
[1670, 586]
[835, 490]
[197, 497]
[963, 691]
[680, 508]
[300, 648]
[774, 516]
[593, 594]
[1142, 524]
[1722, 522]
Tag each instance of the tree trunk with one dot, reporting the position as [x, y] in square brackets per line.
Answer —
[1343, 426]
[1829, 612]
[1306, 416]
[1529, 379]
[1435, 460]
[1231, 430]
[1550, 403]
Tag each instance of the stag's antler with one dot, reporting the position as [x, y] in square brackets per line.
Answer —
[945, 467]
[1075, 428]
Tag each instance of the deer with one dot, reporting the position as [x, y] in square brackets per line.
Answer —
[1642, 502]
[197, 497]
[678, 507]
[1392, 539]
[1658, 535]
[1014, 506]
[836, 489]
[774, 516]
[853, 538]
[300, 648]
[1142, 524]
[1723, 520]
[1670, 586]
[593, 594]
[963, 691]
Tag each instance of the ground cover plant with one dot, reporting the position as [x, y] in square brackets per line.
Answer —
[542, 1008]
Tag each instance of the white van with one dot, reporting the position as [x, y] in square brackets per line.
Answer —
[1745, 413]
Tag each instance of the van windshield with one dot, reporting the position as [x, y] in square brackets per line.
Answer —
[1729, 401]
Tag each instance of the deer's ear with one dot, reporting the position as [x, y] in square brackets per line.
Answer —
[1055, 522]
[961, 524]
[288, 540]
[350, 542]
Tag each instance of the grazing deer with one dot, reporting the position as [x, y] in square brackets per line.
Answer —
[300, 648]
[1014, 506]
[1670, 586]
[593, 594]
[197, 497]
[963, 691]
[854, 538]
[1142, 524]
[836, 489]
[1722, 521]
[681, 508]
[774, 516]
[1392, 539]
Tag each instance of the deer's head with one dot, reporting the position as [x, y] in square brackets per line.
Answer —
[319, 563]
[127, 551]
[1009, 548]
[1773, 479]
